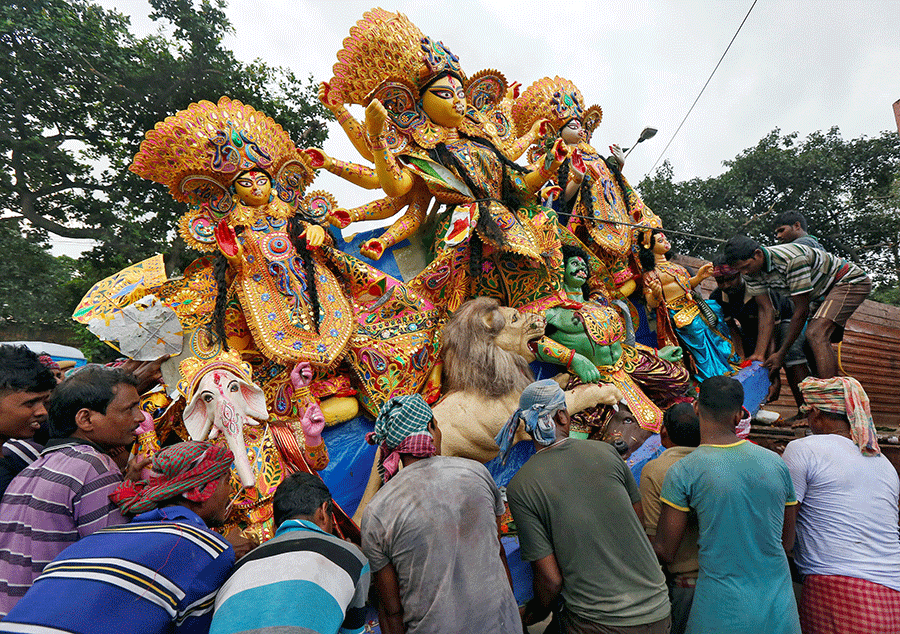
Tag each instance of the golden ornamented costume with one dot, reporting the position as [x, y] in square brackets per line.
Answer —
[467, 167]
[286, 302]
[605, 204]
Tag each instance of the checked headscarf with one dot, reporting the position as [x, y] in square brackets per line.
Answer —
[844, 395]
[402, 427]
[537, 406]
[188, 469]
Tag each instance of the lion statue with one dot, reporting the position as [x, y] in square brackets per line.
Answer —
[486, 352]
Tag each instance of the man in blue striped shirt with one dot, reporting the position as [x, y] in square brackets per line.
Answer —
[820, 284]
[304, 580]
[157, 575]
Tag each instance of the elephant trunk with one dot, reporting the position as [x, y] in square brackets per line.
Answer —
[232, 425]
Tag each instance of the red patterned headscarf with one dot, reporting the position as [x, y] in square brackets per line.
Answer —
[844, 395]
[48, 362]
[188, 469]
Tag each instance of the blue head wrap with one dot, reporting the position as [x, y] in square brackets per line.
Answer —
[537, 406]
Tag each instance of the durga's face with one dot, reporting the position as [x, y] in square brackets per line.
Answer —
[253, 188]
[444, 102]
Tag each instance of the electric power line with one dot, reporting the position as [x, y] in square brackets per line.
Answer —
[704, 88]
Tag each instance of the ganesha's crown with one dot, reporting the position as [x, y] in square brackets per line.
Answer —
[209, 145]
[558, 100]
[385, 46]
[193, 369]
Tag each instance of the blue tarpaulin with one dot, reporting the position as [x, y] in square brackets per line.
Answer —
[350, 463]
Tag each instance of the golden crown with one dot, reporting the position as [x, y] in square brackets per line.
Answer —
[209, 145]
[193, 369]
[558, 100]
[386, 47]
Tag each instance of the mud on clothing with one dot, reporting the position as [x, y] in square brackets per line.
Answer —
[436, 522]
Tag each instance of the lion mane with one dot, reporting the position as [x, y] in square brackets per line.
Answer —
[472, 359]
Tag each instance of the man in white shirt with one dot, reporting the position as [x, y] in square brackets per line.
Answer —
[847, 548]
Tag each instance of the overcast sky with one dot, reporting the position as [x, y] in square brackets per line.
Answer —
[799, 65]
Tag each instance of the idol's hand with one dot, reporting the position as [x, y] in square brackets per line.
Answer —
[376, 116]
[318, 159]
[325, 96]
[313, 422]
[584, 369]
[301, 375]
[372, 249]
[539, 128]
[560, 153]
[340, 218]
[315, 236]
[578, 168]
[618, 155]
[226, 238]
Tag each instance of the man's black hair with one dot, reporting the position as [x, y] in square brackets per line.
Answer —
[93, 387]
[740, 247]
[721, 397]
[789, 218]
[22, 371]
[682, 425]
[298, 496]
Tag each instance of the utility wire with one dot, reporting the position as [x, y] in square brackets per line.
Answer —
[704, 87]
[645, 228]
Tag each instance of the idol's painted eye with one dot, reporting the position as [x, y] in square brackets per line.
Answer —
[442, 93]
[233, 386]
[244, 182]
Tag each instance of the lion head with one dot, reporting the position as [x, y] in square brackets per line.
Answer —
[487, 348]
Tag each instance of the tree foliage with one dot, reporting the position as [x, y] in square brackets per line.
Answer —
[849, 191]
[79, 90]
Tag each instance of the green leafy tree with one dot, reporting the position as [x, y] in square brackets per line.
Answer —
[79, 90]
[32, 283]
[848, 190]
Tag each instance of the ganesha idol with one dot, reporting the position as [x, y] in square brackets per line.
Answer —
[223, 404]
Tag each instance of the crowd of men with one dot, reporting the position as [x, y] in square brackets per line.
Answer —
[90, 544]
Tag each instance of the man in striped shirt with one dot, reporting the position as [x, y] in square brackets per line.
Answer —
[819, 283]
[157, 575]
[304, 580]
[64, 495]
[25, 385]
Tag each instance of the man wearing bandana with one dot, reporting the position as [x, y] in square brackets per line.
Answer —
[578, 512]
[159, 573]
[431, 533]
[847, 547]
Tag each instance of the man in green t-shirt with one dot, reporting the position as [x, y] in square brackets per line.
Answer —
[746, 509]
[578, 512]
